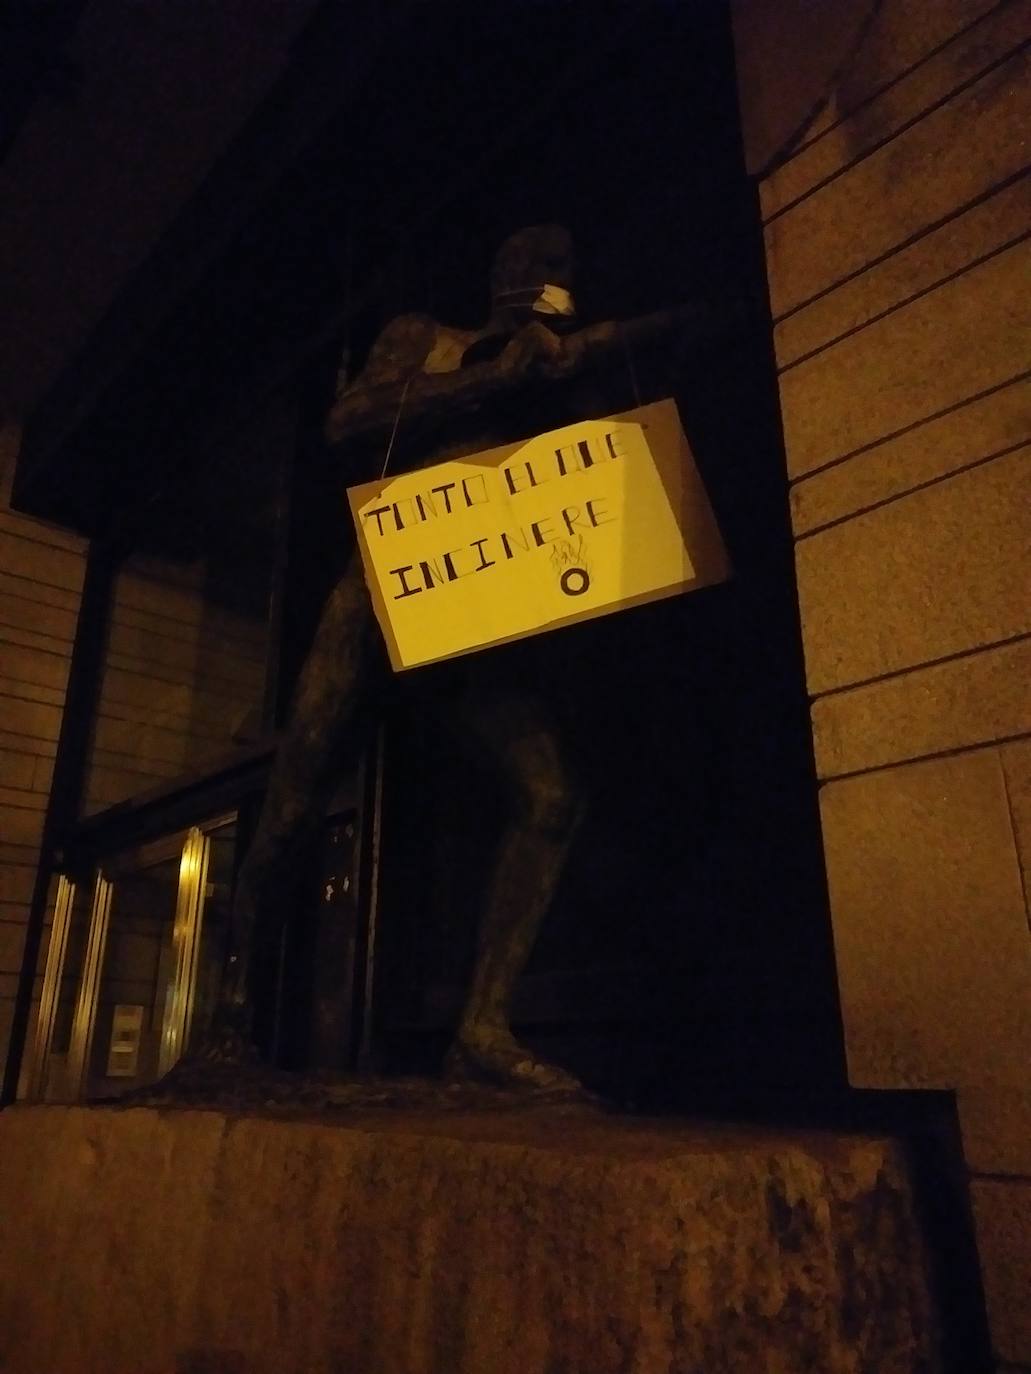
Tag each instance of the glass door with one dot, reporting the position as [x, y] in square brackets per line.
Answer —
[132, 979]
[129, 979]
[204, 945]
[62, 975]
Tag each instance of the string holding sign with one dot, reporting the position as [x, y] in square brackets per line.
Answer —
[578, 522]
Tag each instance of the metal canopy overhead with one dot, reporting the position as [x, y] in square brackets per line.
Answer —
[130, 107]
[211, 244]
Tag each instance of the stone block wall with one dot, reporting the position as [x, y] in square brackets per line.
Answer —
[41, 575]
[896, 211]
[182, 682]
[145, 1242]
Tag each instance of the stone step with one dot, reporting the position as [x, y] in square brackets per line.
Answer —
[174, 1241]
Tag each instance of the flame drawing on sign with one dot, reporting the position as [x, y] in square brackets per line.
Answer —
[570, 562]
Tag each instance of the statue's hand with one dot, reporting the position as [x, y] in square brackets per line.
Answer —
[534, 351]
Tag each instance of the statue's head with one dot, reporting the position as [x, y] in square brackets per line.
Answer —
[532, 276]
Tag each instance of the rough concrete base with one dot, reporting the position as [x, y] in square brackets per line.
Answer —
[200, 1242]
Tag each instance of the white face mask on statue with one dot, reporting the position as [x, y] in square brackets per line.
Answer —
[547, 299]
[554, 300]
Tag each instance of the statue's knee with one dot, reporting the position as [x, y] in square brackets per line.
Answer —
[349, 602]
[551, 803]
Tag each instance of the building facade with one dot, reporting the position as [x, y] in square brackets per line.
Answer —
[890, 144]
[884, 179]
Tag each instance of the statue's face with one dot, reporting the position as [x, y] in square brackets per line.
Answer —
[533, 274]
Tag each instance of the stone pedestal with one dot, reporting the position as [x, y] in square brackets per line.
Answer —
[143, 1241]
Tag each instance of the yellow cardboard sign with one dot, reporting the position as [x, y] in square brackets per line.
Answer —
[579, 522]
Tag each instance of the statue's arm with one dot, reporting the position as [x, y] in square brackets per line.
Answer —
[372, 405]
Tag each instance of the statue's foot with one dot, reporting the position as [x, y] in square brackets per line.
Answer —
[497, 1057]
[228, 1041]
[218, 1067]
[227, 1046]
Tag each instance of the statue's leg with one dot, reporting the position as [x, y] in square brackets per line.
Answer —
[320, 734]
[523, 743]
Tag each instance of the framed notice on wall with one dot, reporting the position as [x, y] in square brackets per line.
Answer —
[123, 1054]
[580, 522]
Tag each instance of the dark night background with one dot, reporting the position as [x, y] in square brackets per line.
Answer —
[370, 161]
[689, 949]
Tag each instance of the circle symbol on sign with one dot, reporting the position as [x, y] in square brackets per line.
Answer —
[575, 581]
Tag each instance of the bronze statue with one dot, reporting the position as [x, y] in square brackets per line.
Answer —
[444, 393]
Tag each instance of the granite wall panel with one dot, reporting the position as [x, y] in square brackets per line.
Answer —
[884, 175]
[974, 432]
[1016, 767]
[973, 699]
[897, 36]
[182, 675]
[996, 1128]
[1002, 1214]
[952, 345]
[963, 240]
[940, 573]
[930, 926]
[41, 572]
